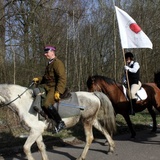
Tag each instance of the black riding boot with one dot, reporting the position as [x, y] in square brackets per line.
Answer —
[55, 116]
[133, 101]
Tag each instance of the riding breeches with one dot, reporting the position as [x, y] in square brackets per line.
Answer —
[134, 89]
[49, 100]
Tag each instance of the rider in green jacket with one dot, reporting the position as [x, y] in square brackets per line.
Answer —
[54, 83]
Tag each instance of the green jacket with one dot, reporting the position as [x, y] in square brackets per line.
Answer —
[54, 76]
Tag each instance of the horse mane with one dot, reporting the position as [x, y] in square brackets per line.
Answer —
[95, 78]
[19, 90]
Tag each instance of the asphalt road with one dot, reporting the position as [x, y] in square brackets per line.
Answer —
[146, 146]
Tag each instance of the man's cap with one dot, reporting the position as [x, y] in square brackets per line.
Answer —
[48, 48]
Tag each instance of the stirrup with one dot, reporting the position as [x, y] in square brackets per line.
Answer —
[61, 125]
[55, 130]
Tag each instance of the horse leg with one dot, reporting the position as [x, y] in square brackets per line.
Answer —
[29, 142]
[89, 139]
[111, 143]
[130, 126]
[42, 147]
[153, 115]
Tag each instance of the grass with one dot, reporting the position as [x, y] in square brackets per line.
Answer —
[10, 136]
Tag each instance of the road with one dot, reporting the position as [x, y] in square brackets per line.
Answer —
[146, 146]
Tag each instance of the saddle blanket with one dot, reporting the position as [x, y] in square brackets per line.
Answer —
[141, 94]
[69, 107]
[66, 107]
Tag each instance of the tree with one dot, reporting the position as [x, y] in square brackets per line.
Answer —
[2, 44]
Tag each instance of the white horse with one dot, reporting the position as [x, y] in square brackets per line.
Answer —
[20, 99]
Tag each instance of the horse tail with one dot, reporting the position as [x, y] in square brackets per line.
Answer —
[108, 116]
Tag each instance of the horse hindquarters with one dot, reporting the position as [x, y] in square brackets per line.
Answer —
[89, 119]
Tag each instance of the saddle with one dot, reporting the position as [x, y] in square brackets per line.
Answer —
[66, 94]
[141, 93]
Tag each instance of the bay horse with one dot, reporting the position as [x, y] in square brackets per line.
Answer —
[121, 104]
[20, 100]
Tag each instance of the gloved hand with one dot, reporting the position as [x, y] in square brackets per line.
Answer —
[126, 68]
[124, 81]
[35, 80]
[57, 96]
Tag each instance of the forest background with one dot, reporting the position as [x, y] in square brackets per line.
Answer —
[85, 33]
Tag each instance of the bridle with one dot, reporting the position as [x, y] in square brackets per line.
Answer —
[97, 86]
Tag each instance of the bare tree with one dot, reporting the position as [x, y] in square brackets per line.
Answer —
[2, 44]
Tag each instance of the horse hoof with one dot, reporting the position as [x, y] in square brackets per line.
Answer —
[106, 143]
[132, 138]
[110, 152]
[80, 158]
[154, 130]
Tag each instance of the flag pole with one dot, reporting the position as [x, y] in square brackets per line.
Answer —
[126, 73]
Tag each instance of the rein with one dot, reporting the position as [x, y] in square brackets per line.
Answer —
[100, 90]
[19, 96]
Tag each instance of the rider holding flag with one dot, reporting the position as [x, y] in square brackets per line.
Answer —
[132, 69]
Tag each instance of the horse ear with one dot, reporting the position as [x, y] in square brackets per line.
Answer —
[90, 78]
[90, 81]
[157, 74]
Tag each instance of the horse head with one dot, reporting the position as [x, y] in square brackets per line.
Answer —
[157, 79]
[93, 85]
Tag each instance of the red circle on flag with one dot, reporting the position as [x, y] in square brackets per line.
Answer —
[135, 27]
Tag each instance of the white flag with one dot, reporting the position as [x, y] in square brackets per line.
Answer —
[131, 34]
